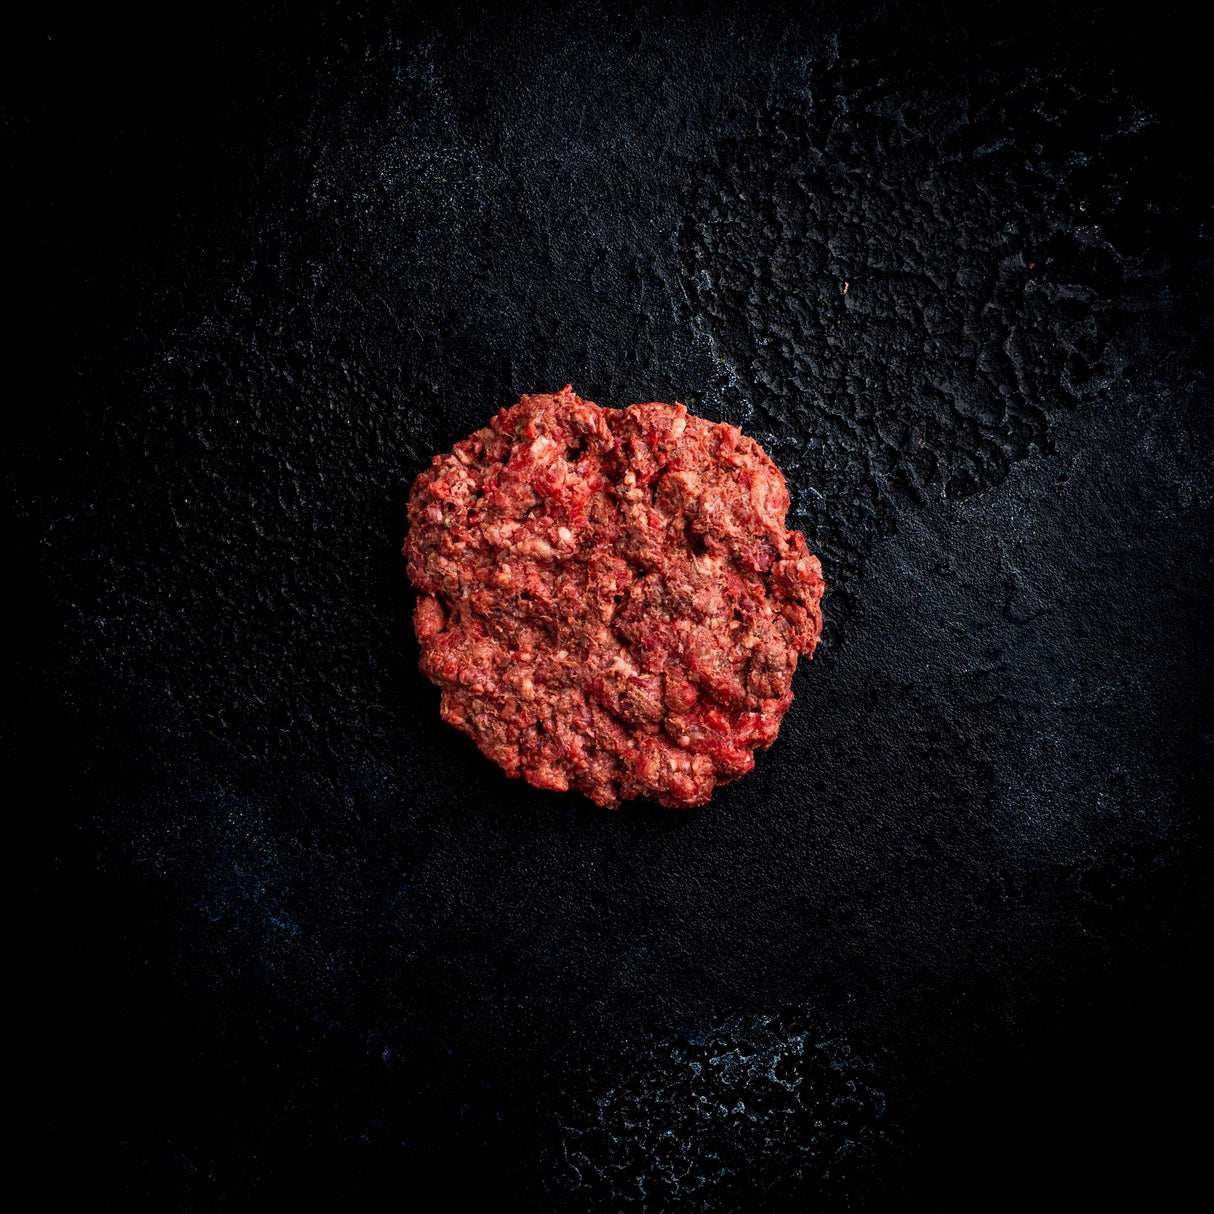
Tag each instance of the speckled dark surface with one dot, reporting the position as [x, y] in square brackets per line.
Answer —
[291, 935]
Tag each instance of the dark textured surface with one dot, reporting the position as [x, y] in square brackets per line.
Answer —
[292, 933]
[754, 1112]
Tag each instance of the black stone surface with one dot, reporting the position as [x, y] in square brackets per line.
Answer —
[289, 936]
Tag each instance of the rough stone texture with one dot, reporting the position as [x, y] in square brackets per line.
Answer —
[750, 1113]
[292, 936]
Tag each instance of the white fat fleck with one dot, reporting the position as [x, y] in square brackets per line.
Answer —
[621, 665]
[536, 547]
[543, 446]
[499, 533]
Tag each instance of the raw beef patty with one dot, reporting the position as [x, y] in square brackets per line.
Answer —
[610, 600]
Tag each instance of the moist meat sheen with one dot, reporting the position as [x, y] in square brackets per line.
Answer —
[609, 598]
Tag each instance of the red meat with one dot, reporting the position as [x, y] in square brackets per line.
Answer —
[609, 599]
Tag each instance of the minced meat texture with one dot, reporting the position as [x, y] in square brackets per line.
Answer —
[609, 599]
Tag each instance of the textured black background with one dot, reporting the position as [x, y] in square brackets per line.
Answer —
[289, 934]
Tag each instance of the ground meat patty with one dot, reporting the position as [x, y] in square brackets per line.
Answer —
[610, 600]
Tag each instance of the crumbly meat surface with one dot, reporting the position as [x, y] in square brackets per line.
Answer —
[609, 598]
